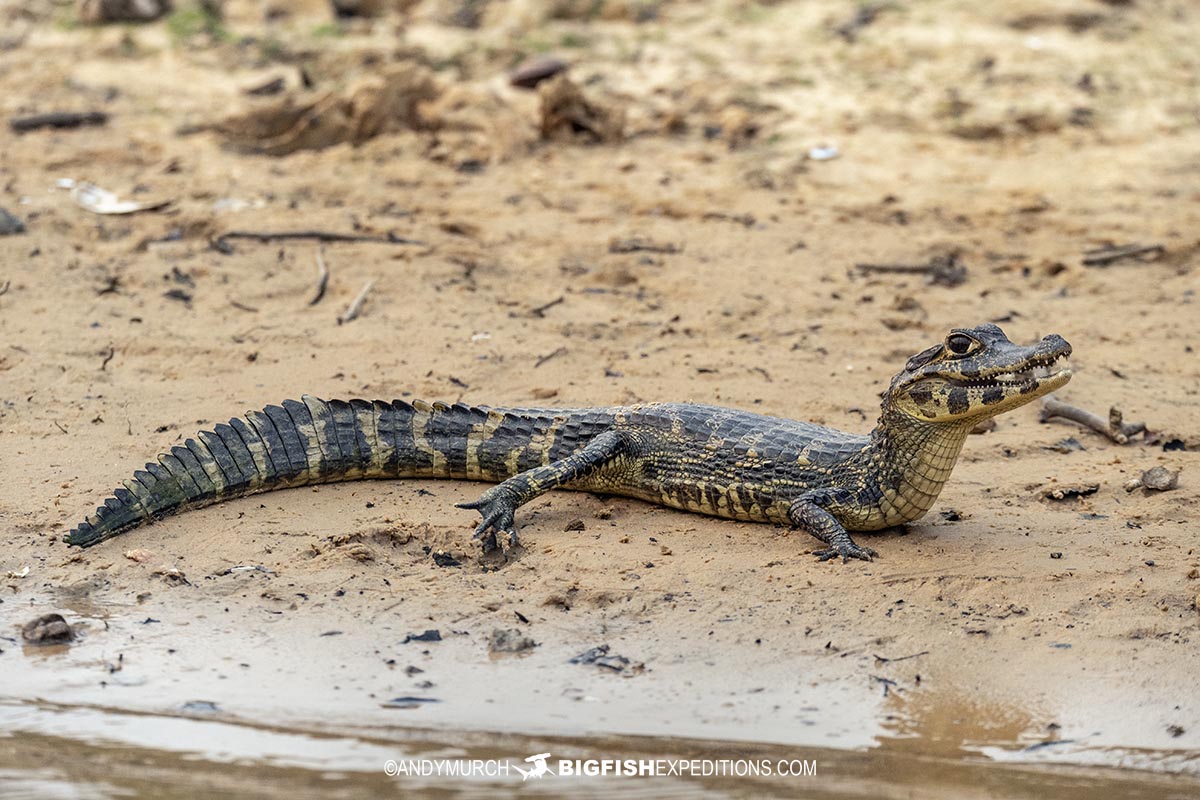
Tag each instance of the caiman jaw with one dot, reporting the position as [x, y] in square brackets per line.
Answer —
[978, 373]
[1032, 375]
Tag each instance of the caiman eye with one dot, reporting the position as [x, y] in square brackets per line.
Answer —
[960, 344]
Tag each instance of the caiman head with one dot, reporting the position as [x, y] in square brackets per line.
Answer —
[977, 373]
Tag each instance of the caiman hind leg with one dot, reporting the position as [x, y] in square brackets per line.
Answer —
[808, 513]
[499, 503]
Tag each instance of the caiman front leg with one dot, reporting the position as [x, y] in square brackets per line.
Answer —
[499, 504]
[808, 513]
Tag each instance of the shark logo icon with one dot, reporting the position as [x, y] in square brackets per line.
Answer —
[539, 768]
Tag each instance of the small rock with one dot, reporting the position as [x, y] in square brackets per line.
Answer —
[510, 640]
[444, 559]
[1068, 445]
[172, 576]
[1056, 555]
[47, 629]
[1160, 479]
[10, 225]
[600, 657]
[532, 71]
[430, 635]
[408, 702]
[139, 555]
[574, 525]
[200, 707]
[986, 426]
[98, 12]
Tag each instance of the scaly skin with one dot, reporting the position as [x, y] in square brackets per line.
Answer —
[705, 459]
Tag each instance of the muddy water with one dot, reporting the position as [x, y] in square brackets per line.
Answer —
[74, 751]
[122, 713]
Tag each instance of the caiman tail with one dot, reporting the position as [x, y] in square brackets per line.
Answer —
[311, 441]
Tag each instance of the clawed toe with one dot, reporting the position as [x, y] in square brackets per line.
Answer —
[497, 514]
[847, 550]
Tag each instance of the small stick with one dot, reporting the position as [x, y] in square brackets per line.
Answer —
[941, 270]
[639, 245]
[241, 306]
[57, 119]
[1104, 256]
[883, 660]
[222, 242]
[541, 310]
[356, 307]
[559, 352]
[4, 287]
[322, 277]
[1115, 428]
[107, 358]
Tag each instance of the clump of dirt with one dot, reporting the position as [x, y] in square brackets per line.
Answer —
[372, 106]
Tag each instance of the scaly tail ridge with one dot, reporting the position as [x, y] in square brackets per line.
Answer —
[310, 441]
[293, 444]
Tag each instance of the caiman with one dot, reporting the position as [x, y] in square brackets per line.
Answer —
[710, 460]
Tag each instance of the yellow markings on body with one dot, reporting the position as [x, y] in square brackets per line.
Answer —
[258, 452]
[512, 461]
[209, 465]
[677, 426]
[381, 451]
[422, 412]
[312, 447]
[545, 440]
[213, 468]
[476, 437]
[140, 494]
[803, 459]
[750, 442]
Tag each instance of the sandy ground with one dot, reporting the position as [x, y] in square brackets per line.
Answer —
[1015, 135]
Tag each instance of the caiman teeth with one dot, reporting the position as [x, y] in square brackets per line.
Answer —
[1048, 368]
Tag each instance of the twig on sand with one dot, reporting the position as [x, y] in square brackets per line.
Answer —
[638, 244]
[562, 351]
[541, 310]
[356, 307]
[1115, 427]
[1103, 256]
[57, 119]
[883, 660]
[940, 270]
[322, 277]
[221, 243]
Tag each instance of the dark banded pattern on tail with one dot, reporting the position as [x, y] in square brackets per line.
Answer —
[311, 441]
